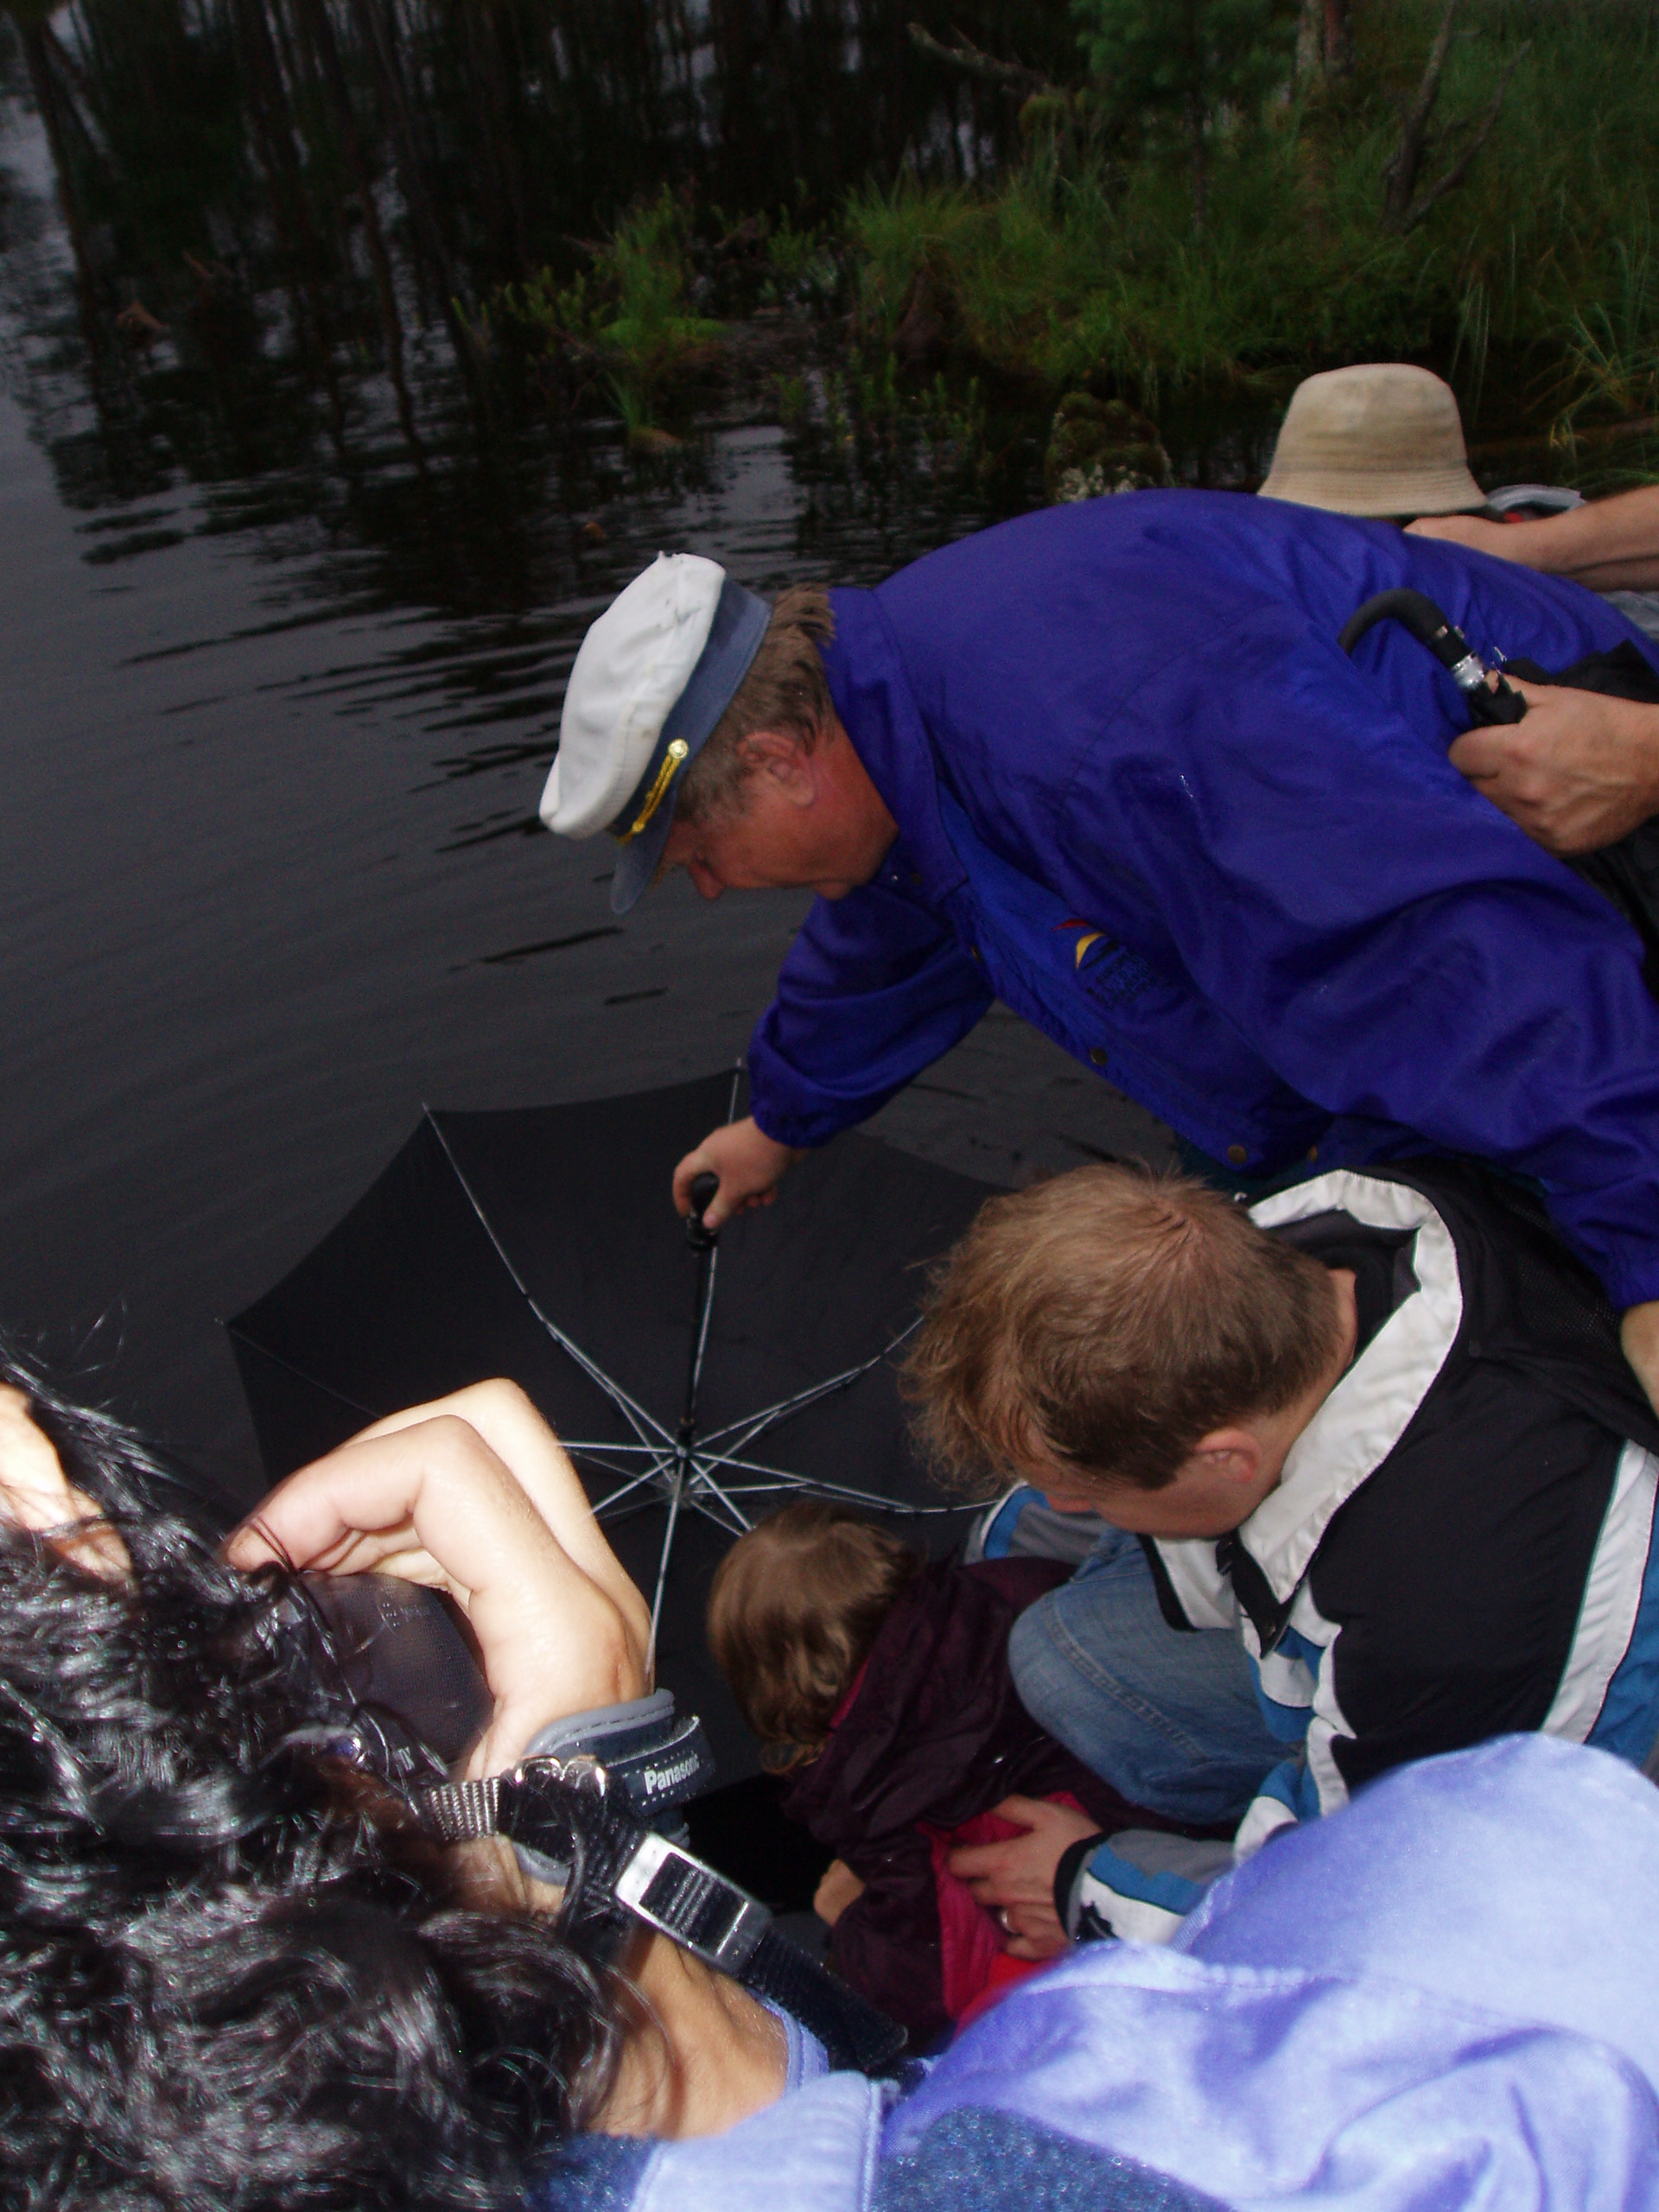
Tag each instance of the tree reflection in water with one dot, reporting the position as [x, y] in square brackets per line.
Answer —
[286, 216]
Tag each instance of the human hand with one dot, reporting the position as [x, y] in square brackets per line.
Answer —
[473, 1495]
[1014, 1881]
[1580, 770]
[750, 1165]
[839, 1888]
[36, 1494]
[1639, 1334]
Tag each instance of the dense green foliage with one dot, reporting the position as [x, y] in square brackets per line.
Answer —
[1088, 265]
[550, 209]
[1185, 59]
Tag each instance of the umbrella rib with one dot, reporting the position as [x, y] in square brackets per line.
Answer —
[634, 1483]
[369, 1413]
[641, 1422]
[738, 1433]
[637, 1416]
[592, 1447]
[703, 1480]
[738, 1524]
[752, 1424]
[627, 1474]
[784, 1481]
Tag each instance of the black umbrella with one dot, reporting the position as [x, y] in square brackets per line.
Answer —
[695, 1391]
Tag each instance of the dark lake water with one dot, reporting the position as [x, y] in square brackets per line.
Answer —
[285, 641]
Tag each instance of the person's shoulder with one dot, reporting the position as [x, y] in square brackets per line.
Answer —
[1131, 527]
[1035, 629]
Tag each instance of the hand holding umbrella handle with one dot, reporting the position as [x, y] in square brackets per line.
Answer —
[1490, 700]
[703, 1189]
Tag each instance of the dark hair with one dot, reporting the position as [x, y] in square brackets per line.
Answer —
[1113, 1317]
[793, 1610]
[785, 689]
[231, 1971]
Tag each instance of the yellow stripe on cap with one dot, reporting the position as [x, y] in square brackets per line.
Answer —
[673, 761]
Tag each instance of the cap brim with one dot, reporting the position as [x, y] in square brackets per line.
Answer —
[638, 862]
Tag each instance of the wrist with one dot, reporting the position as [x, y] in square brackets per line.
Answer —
[701, 2054]
[786, 1153]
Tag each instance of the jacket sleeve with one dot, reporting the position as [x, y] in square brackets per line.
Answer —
[873, 990]
[1392, 946]
[885, 1944]
[1139, 1884]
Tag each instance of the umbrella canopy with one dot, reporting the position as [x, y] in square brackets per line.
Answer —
[539, 1244]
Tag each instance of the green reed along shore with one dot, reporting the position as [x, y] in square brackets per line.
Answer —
[1151, 246]
[1092, 262]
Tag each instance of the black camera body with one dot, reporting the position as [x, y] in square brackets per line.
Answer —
[390, 1673]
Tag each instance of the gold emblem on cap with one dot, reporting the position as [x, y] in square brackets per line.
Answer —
[673, 761]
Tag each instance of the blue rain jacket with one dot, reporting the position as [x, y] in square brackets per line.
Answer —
[1441, 1999]
[1144, 799]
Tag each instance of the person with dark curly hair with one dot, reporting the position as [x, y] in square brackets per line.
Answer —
[234, 1972]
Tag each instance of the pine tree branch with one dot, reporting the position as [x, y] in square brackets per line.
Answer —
[964, 56]
[1460, 169]
[1401, 169]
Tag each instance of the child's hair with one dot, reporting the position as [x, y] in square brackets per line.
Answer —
[792, 1614]
[1111, 1318]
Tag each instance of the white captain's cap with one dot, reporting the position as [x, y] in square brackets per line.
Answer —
[653, 676]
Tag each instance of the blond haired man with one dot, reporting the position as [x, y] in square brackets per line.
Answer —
[1378, 1483]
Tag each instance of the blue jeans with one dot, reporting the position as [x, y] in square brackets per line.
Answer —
[1168, 1717]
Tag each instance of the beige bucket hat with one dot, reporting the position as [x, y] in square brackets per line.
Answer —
[1382, 438]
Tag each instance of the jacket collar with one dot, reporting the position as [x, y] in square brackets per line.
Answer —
[878, 710]
[1365, 1416]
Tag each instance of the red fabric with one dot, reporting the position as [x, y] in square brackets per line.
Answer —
[1006, 1971]
[974, 1969]
[931, 1731]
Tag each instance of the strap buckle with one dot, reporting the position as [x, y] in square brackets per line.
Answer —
[688, 1902]
[464, 1812]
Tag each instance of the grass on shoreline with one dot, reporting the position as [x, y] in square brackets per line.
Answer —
[1535, 286]
[1095, 271]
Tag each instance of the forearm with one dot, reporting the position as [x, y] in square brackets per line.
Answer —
[865, 1001]
[1443, 976]
[699, 2055]
[1609, 545]
[503, 1415]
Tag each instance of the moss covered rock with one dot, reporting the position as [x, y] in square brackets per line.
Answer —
[1097, 446]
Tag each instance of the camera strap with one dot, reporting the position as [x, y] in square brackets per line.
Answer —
[566, 1811]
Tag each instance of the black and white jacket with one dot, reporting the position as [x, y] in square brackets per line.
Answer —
[1459, 1544]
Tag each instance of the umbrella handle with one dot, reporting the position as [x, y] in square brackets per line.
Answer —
[704, 1188]
[1489, 701]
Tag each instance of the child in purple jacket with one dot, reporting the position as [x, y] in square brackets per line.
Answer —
[881, 1682]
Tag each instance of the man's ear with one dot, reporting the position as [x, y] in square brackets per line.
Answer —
[784, 760]
[1234, 1455]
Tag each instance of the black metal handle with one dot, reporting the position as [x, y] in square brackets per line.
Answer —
[704, 1189]
[1488, 702]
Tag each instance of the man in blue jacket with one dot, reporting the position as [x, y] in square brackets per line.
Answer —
[1107, 764]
